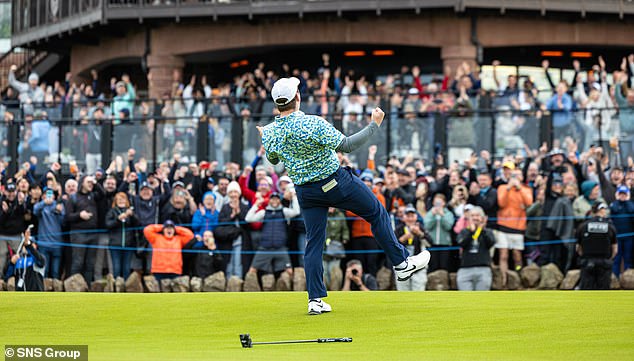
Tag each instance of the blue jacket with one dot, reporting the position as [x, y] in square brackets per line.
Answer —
[274, 229]
[39, 135]
[207, 222]
[622, 214]
[50, 223]
[561, 117]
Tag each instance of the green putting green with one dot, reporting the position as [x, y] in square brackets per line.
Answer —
[530, 325]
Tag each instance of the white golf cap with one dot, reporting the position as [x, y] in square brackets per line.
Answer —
[284, 90]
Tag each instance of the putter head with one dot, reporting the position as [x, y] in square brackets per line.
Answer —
[245, 340]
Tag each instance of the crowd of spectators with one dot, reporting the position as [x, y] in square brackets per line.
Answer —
[243, 219]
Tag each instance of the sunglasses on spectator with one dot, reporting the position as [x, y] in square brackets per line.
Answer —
[263, 185]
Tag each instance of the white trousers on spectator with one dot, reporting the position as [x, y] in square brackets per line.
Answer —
[474, 279]
[418, 282]
[93, 161]
[102, 257]
[5, 241]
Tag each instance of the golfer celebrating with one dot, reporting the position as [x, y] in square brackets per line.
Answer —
[307, 145]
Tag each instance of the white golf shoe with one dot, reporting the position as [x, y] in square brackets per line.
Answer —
[317, 306]
[413, 265]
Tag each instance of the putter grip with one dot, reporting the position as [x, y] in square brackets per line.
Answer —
[340, 339]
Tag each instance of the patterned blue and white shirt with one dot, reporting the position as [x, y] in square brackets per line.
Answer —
[305, 143]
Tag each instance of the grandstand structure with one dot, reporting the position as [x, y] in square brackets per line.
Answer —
[166, 34]
[152, 39]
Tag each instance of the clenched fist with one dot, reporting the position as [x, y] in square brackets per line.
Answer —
[377, 116]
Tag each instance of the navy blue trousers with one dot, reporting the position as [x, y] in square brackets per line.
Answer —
[351, 194]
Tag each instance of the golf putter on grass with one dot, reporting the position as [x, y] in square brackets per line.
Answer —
[245, 340]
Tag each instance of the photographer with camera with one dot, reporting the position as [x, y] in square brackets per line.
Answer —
[356, 280]
[12, 223]
[513, 199]
[475, 241]
[412, 235]
[438, 224]
[50, 213]
[27, 265]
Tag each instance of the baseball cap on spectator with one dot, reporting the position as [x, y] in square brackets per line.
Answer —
[508, 164]
[284, 178]
[412, 91]
[421, 174]
[599, 206]
[468, 207]
[596, 86]
[178, 184]
[378, 180]
[275, 195]
[618, 167]
[402, 172]
[34, 77]
[284, 90]
[234, 186]
[623, 189]
[210, 180]
[169, 224]
[145, 184]
[366, 176]
[556, 151]
[410, 209]
[10, 187]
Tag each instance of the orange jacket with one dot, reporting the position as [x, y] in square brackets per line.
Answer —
[361, 228]
[513, 204]
[166, 254]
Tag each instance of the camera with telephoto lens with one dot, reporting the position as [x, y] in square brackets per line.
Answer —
[355, 272]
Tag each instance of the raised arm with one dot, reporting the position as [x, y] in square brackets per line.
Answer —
[355, 141]
[293, 210]
[185, 235]
[16, 84]
[152, 231]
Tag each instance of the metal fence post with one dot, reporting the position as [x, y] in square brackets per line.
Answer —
[386, 105]
[14, 141]
[106, 143]
[154, 141]
[202, 139]
[237, 139]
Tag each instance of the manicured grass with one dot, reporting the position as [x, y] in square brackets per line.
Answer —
[531, 325]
